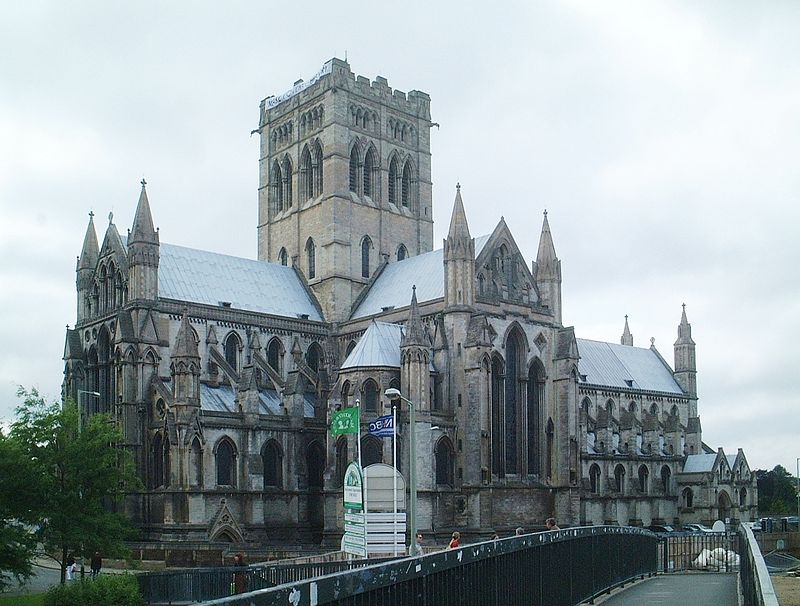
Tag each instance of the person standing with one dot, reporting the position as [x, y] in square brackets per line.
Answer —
[96, 564]
[240, 576]
[417, 549]
[70, 570]
[551, 524]
[455, 542]
[519, 532]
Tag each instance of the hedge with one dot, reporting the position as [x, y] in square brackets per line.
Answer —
[105, 590]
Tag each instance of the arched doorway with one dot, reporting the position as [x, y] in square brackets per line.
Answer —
[723, 506]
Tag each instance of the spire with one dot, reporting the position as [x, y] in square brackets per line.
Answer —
[546, 256]
[458, 220]
[142, 229]
[684, 330]
[414, 332]
[185, 344]
[90, 251]
[627, 337]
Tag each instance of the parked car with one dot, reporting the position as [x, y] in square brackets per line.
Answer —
[697, 528]
[755, 526]
[660, 528]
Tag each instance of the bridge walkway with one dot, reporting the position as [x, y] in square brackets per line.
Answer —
[697, 589]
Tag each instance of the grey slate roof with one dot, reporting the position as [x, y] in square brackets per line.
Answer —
[378, 346]
[699, 463]
[392, 288]
[222, 399]
[200, 276]
[612, 365]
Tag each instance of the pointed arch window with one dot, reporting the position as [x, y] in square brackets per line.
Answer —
[287, 182]
[226, 463]
[196, 464]
[594, 479]
[354, 170]
[370, 396]
[371, 450]
[405, 188]
[402, 252]
[274, 354]
[666, 479]
[619, 479]
[232, 347]
[311, 253]
[314, 357]
[687, 497]
[535, 402]
[306, 175]
[370, 165]
[393, 171]
[283, 257]
[513, 406]
[346, 394]
[444, 462]
[272, 459]
[277, 186]
[644, 479]
[551, 433]
[497, 381]
[157, 458]
[317, 168]
[366, 246]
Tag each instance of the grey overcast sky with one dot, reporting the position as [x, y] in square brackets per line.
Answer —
[663, 138]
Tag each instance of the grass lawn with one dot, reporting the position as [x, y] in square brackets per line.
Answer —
[36, 599]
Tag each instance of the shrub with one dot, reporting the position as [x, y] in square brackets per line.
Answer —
[106, 590]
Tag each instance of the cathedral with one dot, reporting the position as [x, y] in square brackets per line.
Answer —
[222, 372]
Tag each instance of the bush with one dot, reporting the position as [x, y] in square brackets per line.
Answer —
[105, 590]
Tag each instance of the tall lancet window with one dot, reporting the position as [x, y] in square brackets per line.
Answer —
[366, 245]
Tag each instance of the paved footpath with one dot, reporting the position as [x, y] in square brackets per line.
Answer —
[698, 589]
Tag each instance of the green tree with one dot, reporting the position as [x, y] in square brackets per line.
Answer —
[82, 474]
[776, 491]
[17, 493]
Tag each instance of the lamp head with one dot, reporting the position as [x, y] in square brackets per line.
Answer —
[392, 393]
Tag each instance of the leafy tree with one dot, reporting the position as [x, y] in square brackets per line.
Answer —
[17, 492]
[776, 491]
[82, 476]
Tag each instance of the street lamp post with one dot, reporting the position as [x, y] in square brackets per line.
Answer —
[798, 487]
[96, 394]
[394, 394]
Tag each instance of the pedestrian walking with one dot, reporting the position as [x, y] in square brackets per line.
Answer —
[417, 549]
[96, 564]
[455, 542]
[519, 531]
[71, 567]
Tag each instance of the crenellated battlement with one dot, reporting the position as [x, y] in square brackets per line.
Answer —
[336, 74]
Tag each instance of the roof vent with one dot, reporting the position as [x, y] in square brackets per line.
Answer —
[387, 308]
[303, 316]
[583, 378]
[629, 382]
[224, 303]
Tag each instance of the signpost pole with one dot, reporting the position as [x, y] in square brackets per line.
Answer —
[363, 471]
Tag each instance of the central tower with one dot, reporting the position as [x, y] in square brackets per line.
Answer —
[344, 181]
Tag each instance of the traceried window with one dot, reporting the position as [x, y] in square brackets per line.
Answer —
[370, 396]
[371, 450]
[311, 253]
[286, 174]
[687, 498]
[619, 478]
[354, 169]
[666, 476]
[594, 479]
[644, 479]
[402, 252]
[277, 186]
[444, 462]
[405, 191]
[272, 459]
[226, 463]
[306, 175]
[366, 246]
[283, 257]
[370, 166]
[274, 354]
[232, 347]
[314, 357]
[393, 181]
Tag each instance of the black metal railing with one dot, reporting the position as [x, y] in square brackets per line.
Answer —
[712, 551]
[551, 568]
[756, 585]
[199, 584]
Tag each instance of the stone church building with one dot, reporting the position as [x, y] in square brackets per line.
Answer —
[223, 372]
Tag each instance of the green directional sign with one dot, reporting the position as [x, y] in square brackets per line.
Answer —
[354, 487]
